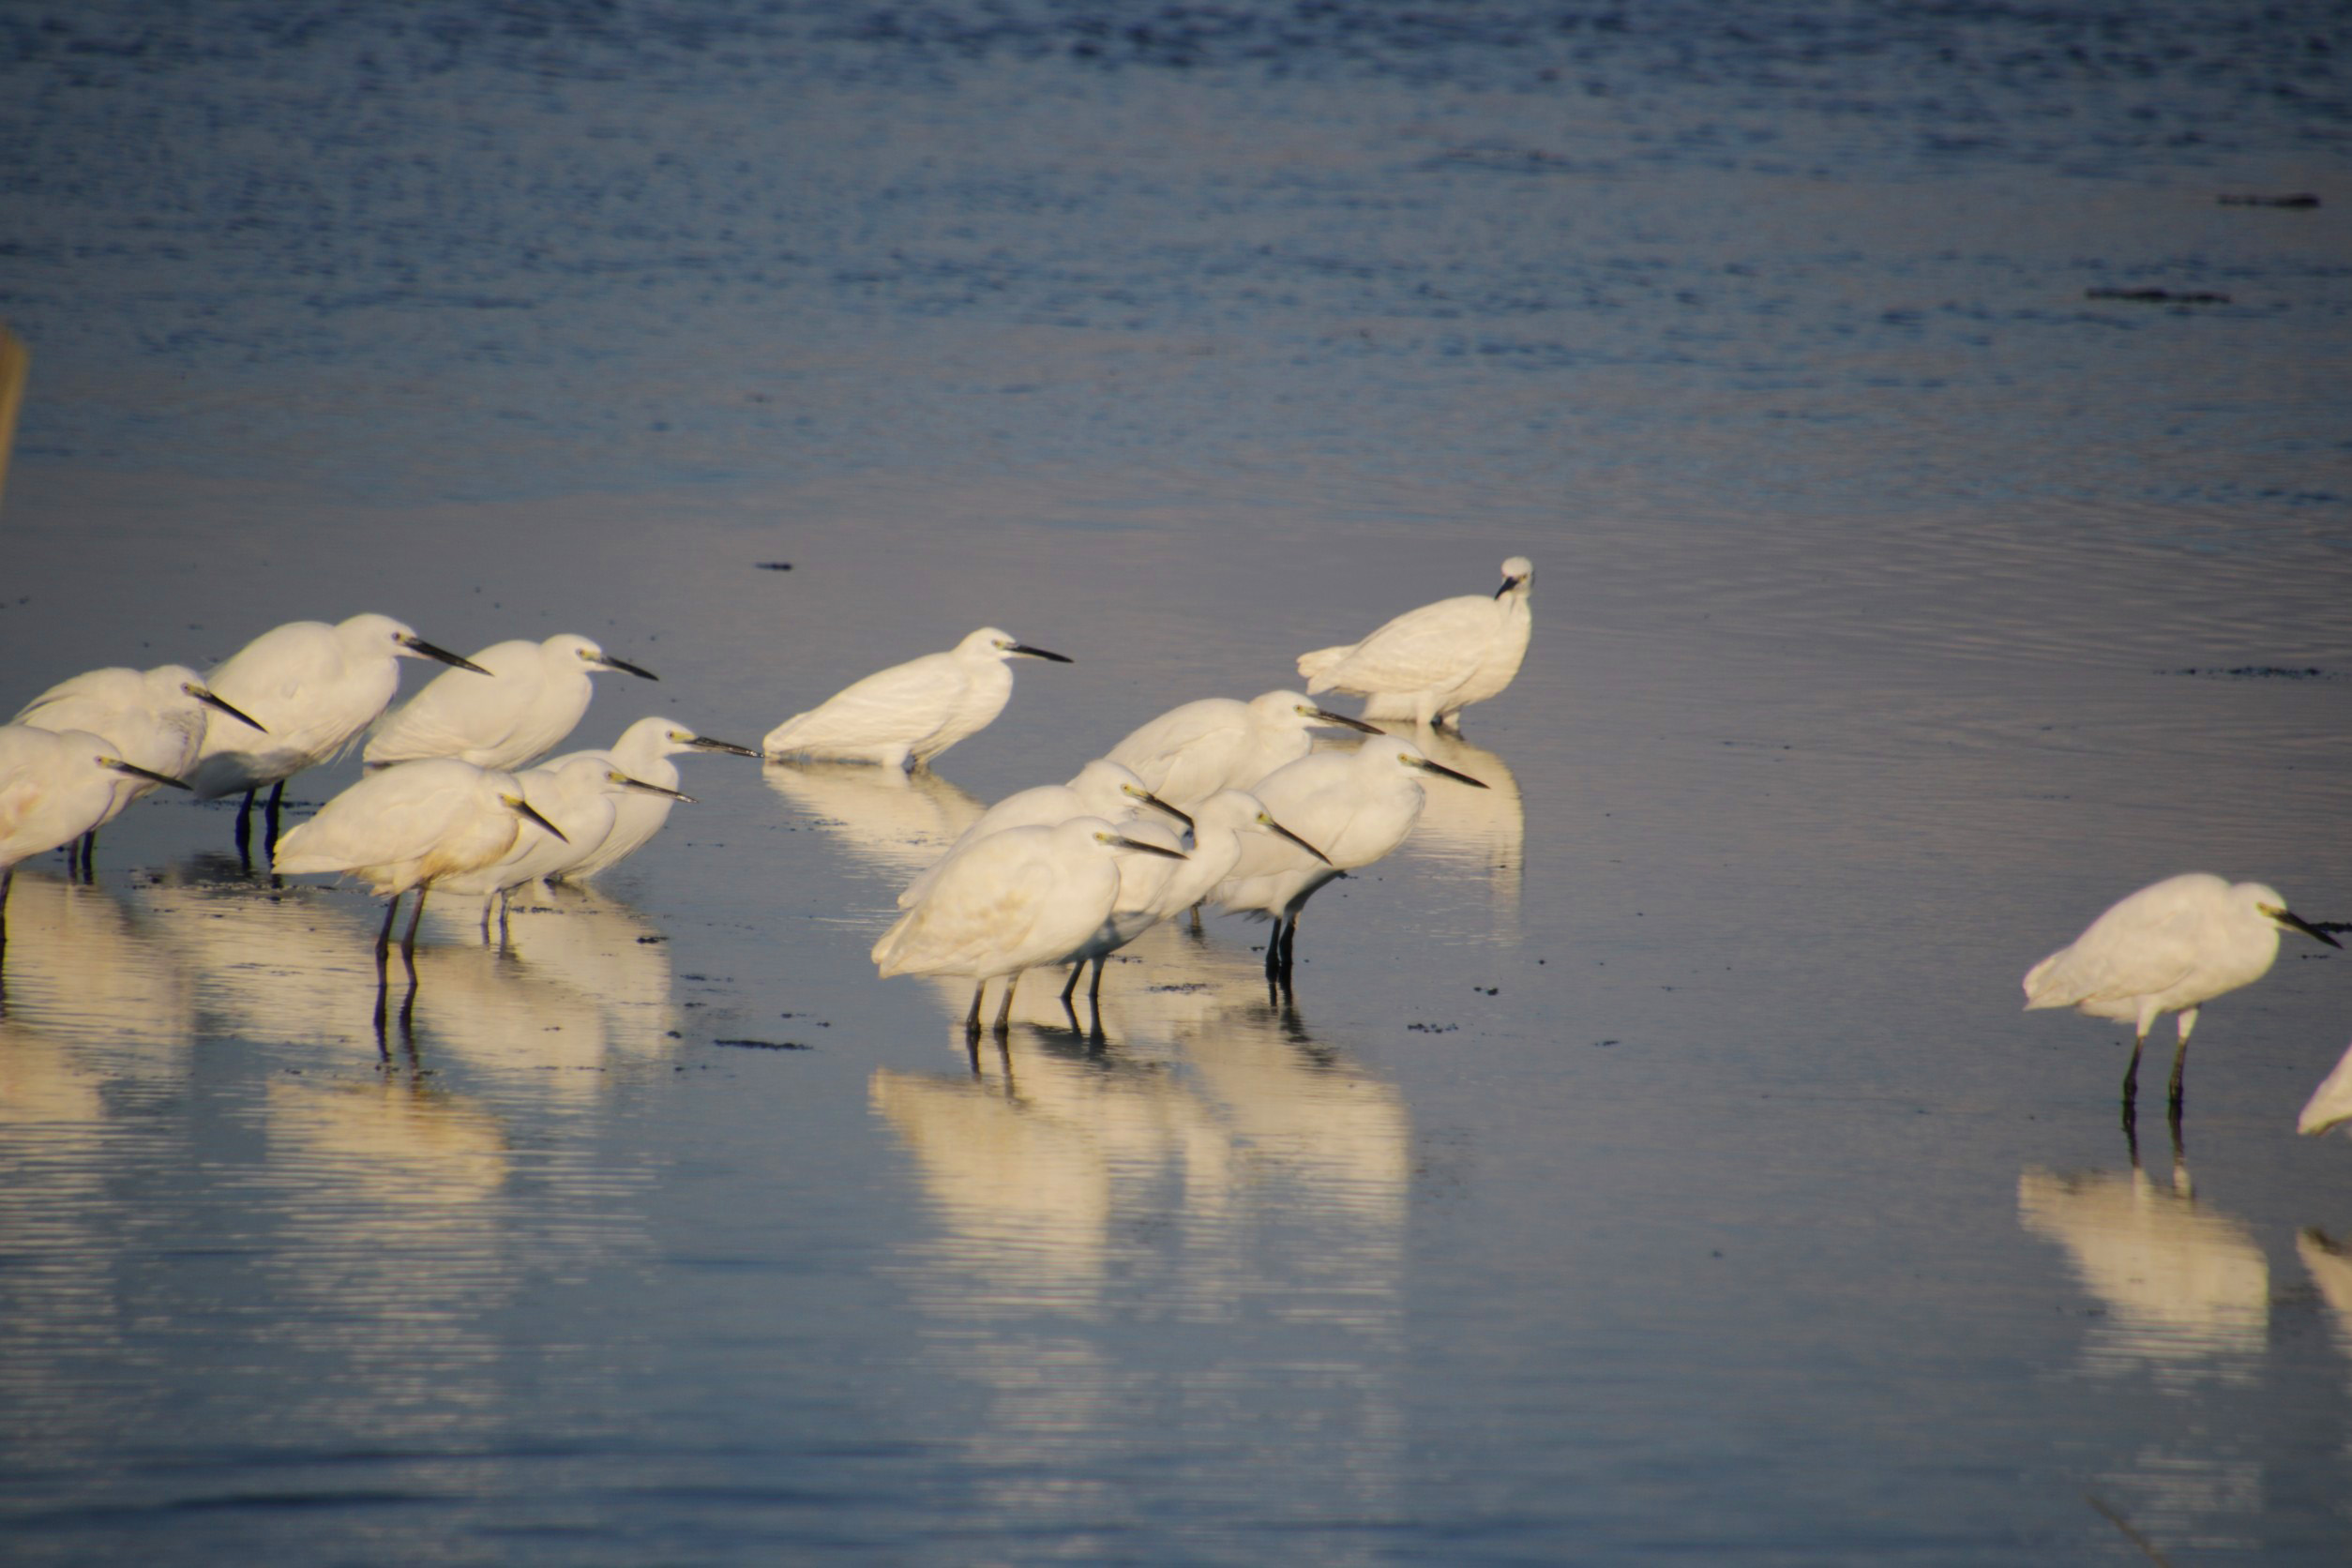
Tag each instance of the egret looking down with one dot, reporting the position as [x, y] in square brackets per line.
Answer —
[156, 719]
[311, 689]
[2168, 948]
[535, 693]
[1190, 752]
[1017, 900]
[1101, 789]
[905, 716]
[1354, 806]
[409, 826]
[642, 752]
[1429, 664]
[55, 787]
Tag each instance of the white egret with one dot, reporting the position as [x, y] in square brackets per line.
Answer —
[410, 826]
[55, 787]
[905, 716]
[1101, 789]
[1190, 752]
[643, 753]
[156, 719]
[1429, 664]
[1015, 900]
[1153, 888]
[535, 693]
[580, 799]
[1355, 807]
[2331, 1104]
[312, 688]
[2168, 948]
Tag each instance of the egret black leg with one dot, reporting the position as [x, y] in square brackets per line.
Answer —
[408, 942]
[269, 838]
[1071, 989]
[384, 938]
[972, 1021]
[1005, 1006]
[244, 829]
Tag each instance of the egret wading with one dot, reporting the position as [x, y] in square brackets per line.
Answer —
[55, 787]
[643, 753]
[1429, 664]
[580, 799]
[905, 716]
[2168, 948]
[535, 693]
[1190, 752]
[1101, 789]
[1020, 899]
[310, 688]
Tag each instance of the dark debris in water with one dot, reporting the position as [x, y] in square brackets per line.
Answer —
[2300, 199]
[2159, 297]
[764, 1044]
[1431, 1028]
[2252, 672]
[774, 566]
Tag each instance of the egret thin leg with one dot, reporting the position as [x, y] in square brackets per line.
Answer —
[384, 938]
[1004, 1005]
[245, 829]
[269, 838]
[408, 942]
[972, 1021]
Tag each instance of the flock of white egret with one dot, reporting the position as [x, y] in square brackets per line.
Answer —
[1218, 801]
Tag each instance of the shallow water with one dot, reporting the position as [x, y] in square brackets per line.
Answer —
[1653, 1159]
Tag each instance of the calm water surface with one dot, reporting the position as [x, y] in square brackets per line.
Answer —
[1653, 1161]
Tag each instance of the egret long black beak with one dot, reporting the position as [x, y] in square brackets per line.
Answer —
[416, 645]
[1439, 768]
[1508, 584]
[704, 743]
[1026, 650]
[2294, 922]
[1324, 716]
[1123, 841]
[625, 782]
[607, 661]
[1148, 798]
[137, 771]
[521, 808]
[214, 699]
[1268, 822]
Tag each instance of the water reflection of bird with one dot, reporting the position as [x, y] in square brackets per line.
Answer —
[535, 693]
[605, 951]
[2330, 1264]
[281, 966]
[642, 752]
[2170, 947]
[1429, 664]
[2180, 1283]
[86, 973]
[905, 716]
[1475, 830]
[895, 822]
[501, 1019]
[1190, 752]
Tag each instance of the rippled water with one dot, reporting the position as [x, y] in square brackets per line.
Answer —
[1653, 1160]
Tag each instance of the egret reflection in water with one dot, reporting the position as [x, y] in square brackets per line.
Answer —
[892, 822]
[81, 969]
[1475, 833]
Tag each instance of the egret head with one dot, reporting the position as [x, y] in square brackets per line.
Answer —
[1003, 645]
[1518, 572]
[372, 631]
[593, 656]
[2272, 908]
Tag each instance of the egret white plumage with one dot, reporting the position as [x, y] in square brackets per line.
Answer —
[1429, 664]
[1190, 752]
[2168, 948]
[408, 827]
[312, 688]
[1355, 807]
[1015, 900]
[2331, 1104]
[156, 719]
[643, 753]
[905, 716]
[580, 799]
[1153, 888]
[535, 693]
[1100, 789]
[55, 787]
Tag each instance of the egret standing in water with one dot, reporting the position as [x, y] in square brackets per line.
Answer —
[905, 716]
[156, 719]
[55, 787]
[1355, 807]
[1429, 664]
[2168, 948]
[408, 827]
[535, 693]
[580, 800]
[1101, 789]
[643, 753]
[1017, 900]
[1190, 752]
[311, 689]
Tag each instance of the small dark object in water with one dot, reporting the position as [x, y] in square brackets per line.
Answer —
[2257, 672]
[2300, 199]
[2157, 296]
[763, 1045]
[774, 566]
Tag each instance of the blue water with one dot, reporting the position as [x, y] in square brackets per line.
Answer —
[1653, 1161]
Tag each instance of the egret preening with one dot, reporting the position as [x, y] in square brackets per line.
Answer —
[1354, 806]
[155, 718]
[1429, 664]
[1015, 900]
[2168, 948]
[535, 693]
[643, 753]
[1190, 752]
[55, 787]
[905, 716]
[1101, 789]
[310, 688]
[409, 826]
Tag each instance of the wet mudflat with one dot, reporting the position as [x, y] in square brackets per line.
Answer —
[1653, 1158]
